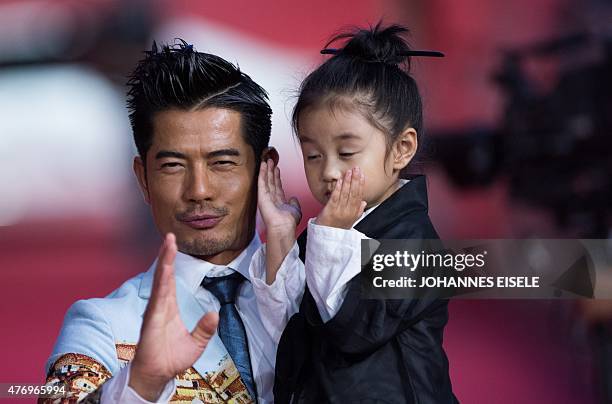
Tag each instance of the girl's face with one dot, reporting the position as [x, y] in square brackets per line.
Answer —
[336, 140]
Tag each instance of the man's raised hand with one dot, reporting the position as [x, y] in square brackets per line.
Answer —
[166, 348]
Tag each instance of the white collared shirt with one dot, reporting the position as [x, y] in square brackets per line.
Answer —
[191, 271]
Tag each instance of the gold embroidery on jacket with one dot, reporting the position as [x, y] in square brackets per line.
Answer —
[224, 385]
[79, 374]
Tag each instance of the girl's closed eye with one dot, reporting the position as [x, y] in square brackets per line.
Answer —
[347, 154]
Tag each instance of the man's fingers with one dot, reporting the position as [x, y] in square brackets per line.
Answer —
[163, 281]
[159, 268]
[205, 329]
[168, 255]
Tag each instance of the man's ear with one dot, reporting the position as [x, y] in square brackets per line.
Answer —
[269, 153]
[404, 148]
[141, 176]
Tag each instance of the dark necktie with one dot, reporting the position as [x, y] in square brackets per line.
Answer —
[231, 329]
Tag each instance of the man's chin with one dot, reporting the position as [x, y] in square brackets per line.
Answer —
[203, 247]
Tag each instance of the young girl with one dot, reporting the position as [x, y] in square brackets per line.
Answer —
[358, 119]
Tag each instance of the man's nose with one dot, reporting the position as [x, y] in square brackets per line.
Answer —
[199, 186]
[332, 170]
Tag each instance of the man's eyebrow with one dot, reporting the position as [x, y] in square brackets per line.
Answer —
[216, 153]
[167, 153]
[223, 152]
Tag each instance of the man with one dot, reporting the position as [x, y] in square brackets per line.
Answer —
[201, 128]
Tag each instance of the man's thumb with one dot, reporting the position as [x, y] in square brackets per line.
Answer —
[206, 328]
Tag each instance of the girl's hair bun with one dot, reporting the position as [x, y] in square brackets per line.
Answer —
[378, 44]
[370, 68]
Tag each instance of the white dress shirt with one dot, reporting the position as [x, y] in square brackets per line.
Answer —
[262, 347]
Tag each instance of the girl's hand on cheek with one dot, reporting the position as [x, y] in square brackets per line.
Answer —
[346, 203]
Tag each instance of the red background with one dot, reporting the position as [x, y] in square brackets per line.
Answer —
[499, 351]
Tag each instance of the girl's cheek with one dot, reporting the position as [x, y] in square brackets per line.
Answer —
[313, 186]
[371, 194]
[311, 177]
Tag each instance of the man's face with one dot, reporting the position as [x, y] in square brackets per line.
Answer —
[200, 182]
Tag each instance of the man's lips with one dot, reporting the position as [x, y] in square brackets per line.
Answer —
[202, 221]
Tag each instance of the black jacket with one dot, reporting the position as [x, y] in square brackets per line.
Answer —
[372, 351]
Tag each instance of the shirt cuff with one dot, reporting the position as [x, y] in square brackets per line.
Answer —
[117, 390]
[286, 272]
[333, 258]
[280, 300]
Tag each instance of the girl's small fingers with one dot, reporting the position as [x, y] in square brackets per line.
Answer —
[362, 185]
[280, 182]
[281, 190]
[355, 192]
[262, 180]
[346, 188]
[271, 186]
[277, 179]
[278, 185]
[335, 195]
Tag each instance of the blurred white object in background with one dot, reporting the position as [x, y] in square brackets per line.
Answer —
[65, 144]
